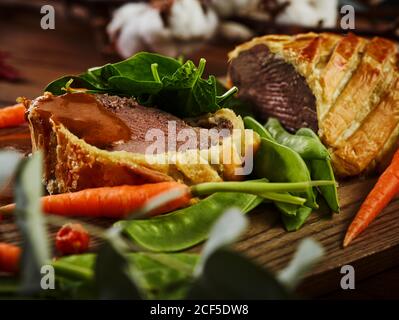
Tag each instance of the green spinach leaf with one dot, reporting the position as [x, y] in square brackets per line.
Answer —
[58, 86]
[135, 76]
[152, 79]
[193, 94]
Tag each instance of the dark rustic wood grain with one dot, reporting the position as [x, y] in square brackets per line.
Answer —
[42, 56]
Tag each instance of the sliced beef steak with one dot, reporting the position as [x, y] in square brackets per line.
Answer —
[274, 87]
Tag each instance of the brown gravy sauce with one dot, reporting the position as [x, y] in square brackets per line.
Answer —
[87, 118]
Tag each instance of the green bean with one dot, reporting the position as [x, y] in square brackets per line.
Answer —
[307, 147]
[322, 169]
[186, 227]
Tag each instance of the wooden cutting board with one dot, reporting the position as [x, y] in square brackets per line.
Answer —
[266, 241]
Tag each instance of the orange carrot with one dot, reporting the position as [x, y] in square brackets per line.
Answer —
[9, 258]
[111, 202]
[385, 189]
[12, 116]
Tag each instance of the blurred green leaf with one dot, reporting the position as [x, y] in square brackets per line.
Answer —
[8, 163]
[226, 230]
[307, 255]
[160, 275]
[228, 275]
[36, 250]
[114, 276]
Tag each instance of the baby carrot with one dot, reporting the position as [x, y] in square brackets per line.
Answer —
[9, 258]
[111, 202]
[12, 116]
[385, 189]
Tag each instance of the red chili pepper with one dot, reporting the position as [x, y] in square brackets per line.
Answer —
[72, 238]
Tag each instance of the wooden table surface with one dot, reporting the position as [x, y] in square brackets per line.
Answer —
[42, 56]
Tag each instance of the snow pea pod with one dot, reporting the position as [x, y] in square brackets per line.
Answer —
[186, 227]
[293, 216]
[322, 169]
[294, 222]
[279, 163]
[307, 147]
[251, 123]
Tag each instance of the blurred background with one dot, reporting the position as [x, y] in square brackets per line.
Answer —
[93, 32]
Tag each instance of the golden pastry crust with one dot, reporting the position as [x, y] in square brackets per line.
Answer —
[373, 135]
[354, 81]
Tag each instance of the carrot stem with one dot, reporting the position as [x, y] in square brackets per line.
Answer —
[255, 187]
